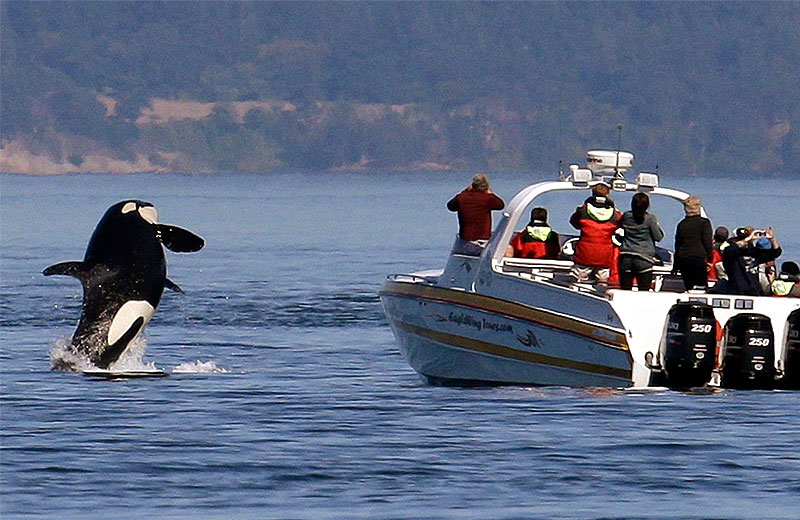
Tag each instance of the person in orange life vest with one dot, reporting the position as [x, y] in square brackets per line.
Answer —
[787, 283]
[537, 240]
[474, 206]
[715, 269]
[597, 219]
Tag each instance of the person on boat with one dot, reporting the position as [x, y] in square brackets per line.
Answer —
[474, 206]
[537, 240]
[693, 246]
[716, 272]
[639, 232]
[766, 271]
[787, 283]
[741, 259]
[597, 220]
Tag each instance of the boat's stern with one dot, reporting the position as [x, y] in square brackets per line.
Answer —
[692, 339]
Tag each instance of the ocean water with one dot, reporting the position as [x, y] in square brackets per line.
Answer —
[287, 397]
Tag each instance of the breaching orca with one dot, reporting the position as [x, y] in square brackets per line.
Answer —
[123, 274]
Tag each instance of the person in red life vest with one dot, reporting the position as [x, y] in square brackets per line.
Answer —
[537, 240]
[716, 273]
[474, 206]
[597, 219]
[787, 283]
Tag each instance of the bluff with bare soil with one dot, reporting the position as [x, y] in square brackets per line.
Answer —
[700, 88]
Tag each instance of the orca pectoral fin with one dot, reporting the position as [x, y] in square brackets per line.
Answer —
[178, 239]
[75, 269]
[172, 286]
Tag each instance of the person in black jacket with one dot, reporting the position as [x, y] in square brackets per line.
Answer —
[741, 260]
[693, 246]
[640, 232]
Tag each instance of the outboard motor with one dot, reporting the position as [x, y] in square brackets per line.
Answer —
[791, 360]
[689, 348]
[749, 359]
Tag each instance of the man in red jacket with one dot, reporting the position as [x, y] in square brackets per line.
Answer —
[597, 219]
[474, 206]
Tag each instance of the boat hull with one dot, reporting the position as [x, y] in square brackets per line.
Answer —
[452, 336]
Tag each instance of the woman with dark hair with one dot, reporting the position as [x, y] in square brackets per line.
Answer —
[640, 232]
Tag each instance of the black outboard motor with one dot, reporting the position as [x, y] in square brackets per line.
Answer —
[690, 345]
[791, 361]
[749, 360]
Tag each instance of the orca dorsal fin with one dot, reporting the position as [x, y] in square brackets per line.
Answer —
[172, 286]
[178, 239]
[75, 269]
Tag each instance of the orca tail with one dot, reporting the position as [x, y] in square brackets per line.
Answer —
[178, 239]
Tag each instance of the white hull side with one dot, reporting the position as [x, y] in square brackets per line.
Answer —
[452, 336]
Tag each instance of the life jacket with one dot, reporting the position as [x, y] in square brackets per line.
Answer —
[535, 242]
[782, 287]
[597, 220]
[716, 258]
[613, 277]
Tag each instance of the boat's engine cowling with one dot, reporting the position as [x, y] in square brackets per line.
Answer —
[688, 353]
[749, 359]
[791, 361]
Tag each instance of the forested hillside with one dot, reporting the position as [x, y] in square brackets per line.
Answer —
[701, 88]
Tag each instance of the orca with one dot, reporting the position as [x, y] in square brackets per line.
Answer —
[123, 273]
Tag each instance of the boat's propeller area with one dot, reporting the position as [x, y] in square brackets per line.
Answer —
[694, 347]
[749, 356]
[791, 363]
[688, 352]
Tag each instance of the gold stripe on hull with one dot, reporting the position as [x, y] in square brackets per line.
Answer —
[510, 353]
[607, 337]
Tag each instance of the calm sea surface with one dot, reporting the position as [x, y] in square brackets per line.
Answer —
[287, 397]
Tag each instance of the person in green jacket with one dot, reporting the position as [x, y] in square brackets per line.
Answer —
[787, 283]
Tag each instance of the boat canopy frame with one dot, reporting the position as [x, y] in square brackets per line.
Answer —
[516, 208]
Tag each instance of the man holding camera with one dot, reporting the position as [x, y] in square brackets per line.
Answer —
[743, 256]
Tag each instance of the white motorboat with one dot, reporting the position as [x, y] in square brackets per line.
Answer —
[487, 318]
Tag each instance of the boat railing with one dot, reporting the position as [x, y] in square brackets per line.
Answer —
[558, 272]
